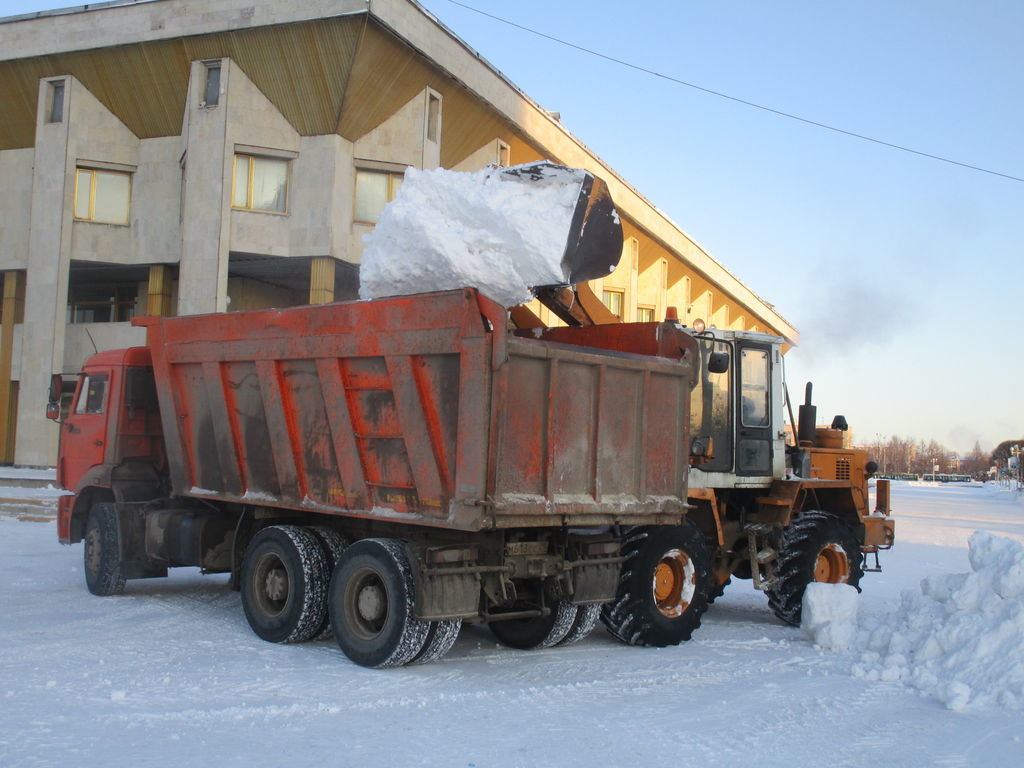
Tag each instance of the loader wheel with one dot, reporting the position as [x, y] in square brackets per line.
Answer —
[103, 573]
[538, 631]
[284, 584]
[817, 546]
[716, 590]
[663, 588]
[372, 605]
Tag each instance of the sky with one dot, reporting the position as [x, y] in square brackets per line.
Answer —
[902, 274]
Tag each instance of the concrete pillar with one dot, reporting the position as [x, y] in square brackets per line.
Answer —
[203, 271]
[321, 280]
[12, 312]
[46, 284]
[159, 301]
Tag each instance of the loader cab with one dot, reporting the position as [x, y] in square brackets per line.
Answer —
[740, 409]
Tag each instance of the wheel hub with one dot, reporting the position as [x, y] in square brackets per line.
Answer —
[372, 603]
[271, 584]
[277, 584]
[832, 565]
[675, 581]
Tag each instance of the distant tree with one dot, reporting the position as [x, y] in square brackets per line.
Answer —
[1002, 451]
[976, 462]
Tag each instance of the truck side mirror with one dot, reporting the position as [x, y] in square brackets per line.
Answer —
[718, 362]
[53, 406]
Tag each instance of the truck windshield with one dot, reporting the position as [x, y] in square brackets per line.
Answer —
[92, 394]
[710, 412]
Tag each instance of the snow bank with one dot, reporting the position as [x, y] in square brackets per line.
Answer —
[961, 638]
[829, 615]
[447, 230]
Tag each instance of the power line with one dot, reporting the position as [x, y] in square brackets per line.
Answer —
[736, 99]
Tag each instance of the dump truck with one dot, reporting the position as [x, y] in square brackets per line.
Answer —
[383, 471]
[781, 508]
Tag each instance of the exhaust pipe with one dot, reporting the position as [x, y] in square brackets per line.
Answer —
[805, 436]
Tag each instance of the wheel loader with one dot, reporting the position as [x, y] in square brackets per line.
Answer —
[783, 511]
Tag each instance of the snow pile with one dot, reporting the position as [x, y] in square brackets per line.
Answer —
[490, 230]
[829, 615]
[961, 639]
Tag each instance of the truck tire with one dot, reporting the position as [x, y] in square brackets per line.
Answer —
[284, 584]
[440, 639]
[586, 619]
[371, 605]
[103, 573]
[333, 544]
[817, 546]
[538, 631]
[663, 588]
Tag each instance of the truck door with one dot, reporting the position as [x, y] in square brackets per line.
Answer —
[85, 429]
[754, 434]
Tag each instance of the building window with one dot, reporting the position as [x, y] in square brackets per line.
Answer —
[504, 154]
[374, 190]
[645, 314]
[55, 113]
[102, 196]
[613, 300]
[211, 90]
[433, 116]
[96, 303]
[260, 184]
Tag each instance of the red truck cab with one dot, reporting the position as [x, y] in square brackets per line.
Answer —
[111, 429]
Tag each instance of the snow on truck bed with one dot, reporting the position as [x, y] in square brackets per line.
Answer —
[446, 230]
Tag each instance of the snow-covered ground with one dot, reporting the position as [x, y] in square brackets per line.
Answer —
[170, 674]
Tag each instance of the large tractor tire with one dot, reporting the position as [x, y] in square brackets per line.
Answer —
[538, 631]
[817, 546]
[103, 573]
[716, 590]
[372, 602]
[284, 584]
[663, 588]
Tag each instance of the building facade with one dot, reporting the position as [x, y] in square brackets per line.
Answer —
[170, 157]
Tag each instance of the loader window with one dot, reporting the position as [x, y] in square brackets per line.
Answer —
[92, 394]
[754, 395]
[710, 411]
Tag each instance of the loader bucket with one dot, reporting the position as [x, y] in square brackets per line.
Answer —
[594, 243]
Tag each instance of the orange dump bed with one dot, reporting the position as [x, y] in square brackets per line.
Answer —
[426, 410]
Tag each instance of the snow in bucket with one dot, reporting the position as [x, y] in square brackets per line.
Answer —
[446, 230]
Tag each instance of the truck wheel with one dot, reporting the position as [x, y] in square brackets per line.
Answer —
[333, 544]
[538, 631]
[587, 617]
[440, 639]
[371, 605]
[103, 574]
[663, 588]
[284, 584]
[817, 546]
